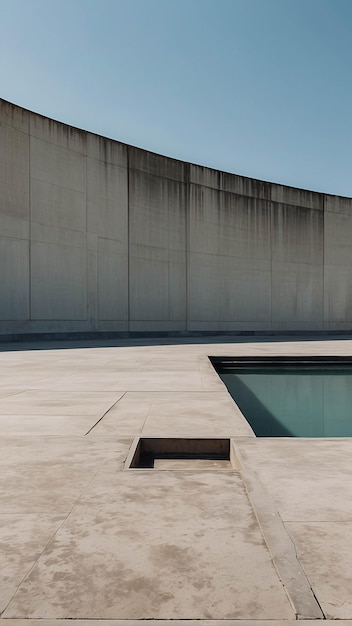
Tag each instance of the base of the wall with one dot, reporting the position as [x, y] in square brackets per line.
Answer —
[111, 335]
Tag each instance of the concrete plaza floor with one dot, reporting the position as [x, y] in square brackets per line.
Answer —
[83, 538]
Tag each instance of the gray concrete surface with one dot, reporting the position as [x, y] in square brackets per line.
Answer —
[96, 235]
[83, 538]
[177, 622]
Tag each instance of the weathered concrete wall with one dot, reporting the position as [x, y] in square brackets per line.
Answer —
[97, 235]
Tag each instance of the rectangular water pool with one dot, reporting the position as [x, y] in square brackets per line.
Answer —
[291, 396]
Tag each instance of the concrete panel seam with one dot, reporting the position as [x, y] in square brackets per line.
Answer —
[29, 227]
[128, 241]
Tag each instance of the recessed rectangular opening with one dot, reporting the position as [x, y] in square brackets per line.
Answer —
[291, 396]
[178, 453]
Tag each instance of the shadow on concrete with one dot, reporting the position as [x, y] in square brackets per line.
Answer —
[65, 342]
[261, 420]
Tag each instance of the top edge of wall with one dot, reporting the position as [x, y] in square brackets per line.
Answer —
[118, 153]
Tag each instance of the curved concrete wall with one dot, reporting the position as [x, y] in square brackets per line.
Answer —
[96, 235]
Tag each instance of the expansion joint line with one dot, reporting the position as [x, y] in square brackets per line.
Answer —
[106, 412]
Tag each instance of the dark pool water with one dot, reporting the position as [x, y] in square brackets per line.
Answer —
[309, 402]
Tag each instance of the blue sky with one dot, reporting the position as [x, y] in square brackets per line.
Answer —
[261, 88]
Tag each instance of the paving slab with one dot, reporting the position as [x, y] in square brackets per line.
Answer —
[324, 549]
[213, 414]
[156, 545]
[138, 378]
[56, 402]
[48, 474]
[30, 425]
[22, 540]
[309, 479]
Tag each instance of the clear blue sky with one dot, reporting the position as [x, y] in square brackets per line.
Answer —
[261, 88]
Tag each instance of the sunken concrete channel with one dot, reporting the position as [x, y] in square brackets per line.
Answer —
[180, 453]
